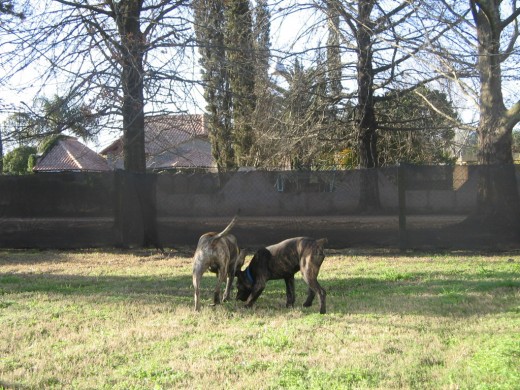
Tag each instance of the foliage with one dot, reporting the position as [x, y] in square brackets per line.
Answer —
[48, 143]
[238, 37]
[7, 7]
[516, 141]
[209, 29]
[50, 117]
[19, 161]
[227, 45]
[414, 127]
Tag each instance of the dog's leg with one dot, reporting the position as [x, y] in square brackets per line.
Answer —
[314, 288]
[229, 287]
[321, 295]
[221, 277]
[257, 291]
[196, 285]
[289, 290]
[310, 298]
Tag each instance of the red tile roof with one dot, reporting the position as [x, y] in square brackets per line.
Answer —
[171, 141]
[68, 154]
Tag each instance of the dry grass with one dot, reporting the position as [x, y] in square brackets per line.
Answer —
[124, 320]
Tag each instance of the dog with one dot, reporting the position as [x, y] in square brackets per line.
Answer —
[282, 261]
[218, 252]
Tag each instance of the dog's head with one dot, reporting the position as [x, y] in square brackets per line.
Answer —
[244, 288]
[246, 278]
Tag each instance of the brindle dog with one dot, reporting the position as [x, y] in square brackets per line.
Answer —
[218, 252]
[282, 261]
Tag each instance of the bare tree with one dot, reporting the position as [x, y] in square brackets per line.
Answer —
[119, 55]
[379, 43]
[480, 56]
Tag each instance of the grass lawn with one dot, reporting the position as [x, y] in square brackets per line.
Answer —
[124, 320]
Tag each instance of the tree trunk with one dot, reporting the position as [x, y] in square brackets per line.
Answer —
[132, 57]
[498, 199]
[132, 49]
[1, 153]
[367, 125]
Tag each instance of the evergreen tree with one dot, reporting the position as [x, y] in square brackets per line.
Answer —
[262, 45]
[241, 68]
[209, 28]
[18, 161]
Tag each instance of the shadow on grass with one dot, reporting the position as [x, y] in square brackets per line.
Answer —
[38, 256]
[413, 293]
[143, 288]
[9, 385]
[427, 294]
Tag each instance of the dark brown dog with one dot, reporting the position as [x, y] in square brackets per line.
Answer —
[282, 261]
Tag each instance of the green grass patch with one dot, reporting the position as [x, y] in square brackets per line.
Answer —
[125, 320]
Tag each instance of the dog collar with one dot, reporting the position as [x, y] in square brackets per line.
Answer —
[249, 276]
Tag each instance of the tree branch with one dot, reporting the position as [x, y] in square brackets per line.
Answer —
[513, 114]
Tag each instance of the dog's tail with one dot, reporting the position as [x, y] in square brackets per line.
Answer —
[228, 228]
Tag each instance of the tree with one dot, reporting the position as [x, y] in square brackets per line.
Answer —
[17, 161]
[498, 192]
[296, 131]
[261, 45]
[263, 91]
[7, 8]
[380, 40]
[230, 69]
[119, 55]
[209, 28]
[479, 55]
[50, 117]
[241, 67]
[417, 132]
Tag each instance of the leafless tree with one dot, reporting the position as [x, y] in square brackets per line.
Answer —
[480, 56]
[124, 57]
[380, 42]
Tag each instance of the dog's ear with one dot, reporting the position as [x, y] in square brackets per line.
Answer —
[322, 241]
[240, 260]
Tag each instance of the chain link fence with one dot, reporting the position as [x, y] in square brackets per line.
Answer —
[406, 207]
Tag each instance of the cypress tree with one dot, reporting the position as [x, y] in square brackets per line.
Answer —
[209, 28]
[241, 68]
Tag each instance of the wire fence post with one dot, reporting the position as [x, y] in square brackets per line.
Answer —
[401, 189]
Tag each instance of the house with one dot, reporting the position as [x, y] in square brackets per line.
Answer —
[68, 154]
[171, 142]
